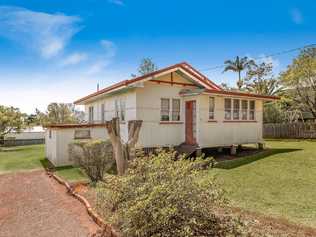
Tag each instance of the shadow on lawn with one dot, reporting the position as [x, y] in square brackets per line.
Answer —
[239, 161]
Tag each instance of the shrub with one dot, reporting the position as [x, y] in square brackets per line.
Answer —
[95, 157]
[159, 196]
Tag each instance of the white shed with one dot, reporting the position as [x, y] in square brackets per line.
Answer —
[58, 138]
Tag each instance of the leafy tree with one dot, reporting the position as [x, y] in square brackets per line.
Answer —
[300, 81]
[146, 66]
[238, 65]
[159, 196]
[11, 119]
[58, 113]
[259, 79]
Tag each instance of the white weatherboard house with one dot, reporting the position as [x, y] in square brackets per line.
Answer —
[177, 104]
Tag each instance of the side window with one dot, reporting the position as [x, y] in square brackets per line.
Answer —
[175, 109]
[102, 113]
[91, 112]
[165, 109]
[211, 109]
[228, 109]
[82, 134]
[252, 110]
[122, 110]
[244, 109]
[116, 108]
[236, 109]
[50, 134]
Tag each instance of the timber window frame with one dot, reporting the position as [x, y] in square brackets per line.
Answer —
[170, 109]
[211, 108]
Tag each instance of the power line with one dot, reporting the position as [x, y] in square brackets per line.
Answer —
[266, 56]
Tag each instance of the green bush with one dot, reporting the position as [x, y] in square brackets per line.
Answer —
[95, 157]
[159, 196]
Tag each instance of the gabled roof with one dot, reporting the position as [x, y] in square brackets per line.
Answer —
[184, 67]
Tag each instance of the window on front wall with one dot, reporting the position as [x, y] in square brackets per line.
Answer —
[102, 113]
[228, 109]
[244, 109]
[122, 109]
[165, 109]
[175, 109]
[236, 109]
[211, 109]
[116, 109]
[91, 112]
[252, 109]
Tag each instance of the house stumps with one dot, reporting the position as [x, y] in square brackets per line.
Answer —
[198, 151]
[220, 149]
[261, 145]
[233, 150]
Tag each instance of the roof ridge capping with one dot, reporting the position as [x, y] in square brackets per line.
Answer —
[183, 65]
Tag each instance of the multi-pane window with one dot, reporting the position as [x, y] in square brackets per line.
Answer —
[228, 109]
[122, 109]
[165, 109]
[170, 109]
[244, 109]
[91, 112]
[102, 113]
[236, 109]
[116, 109]
[252, 109]
[175, 109]
[211, 109]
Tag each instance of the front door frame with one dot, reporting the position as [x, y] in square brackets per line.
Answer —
[190, 122]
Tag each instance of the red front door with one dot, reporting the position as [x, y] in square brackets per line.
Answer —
[190, 122]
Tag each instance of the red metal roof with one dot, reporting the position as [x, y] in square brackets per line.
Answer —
[184, 66]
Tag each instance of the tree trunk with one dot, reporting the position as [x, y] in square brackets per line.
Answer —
[239, 80]
[122, 152]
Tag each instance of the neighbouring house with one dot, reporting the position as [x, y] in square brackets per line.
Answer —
[27, 136]
[178, 106]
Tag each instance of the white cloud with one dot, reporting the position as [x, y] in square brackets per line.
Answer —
[297, 16]
[268, 59]
[97, 66]
[117, 2]
[110, 48]
[74, 59]
[104, 59]
[48, 34]
[37, 90]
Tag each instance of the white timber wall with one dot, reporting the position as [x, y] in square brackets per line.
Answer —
[109, 103]
[154, 133]
[57, 145]
[220, 133]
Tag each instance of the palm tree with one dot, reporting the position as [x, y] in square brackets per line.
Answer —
[238, 65]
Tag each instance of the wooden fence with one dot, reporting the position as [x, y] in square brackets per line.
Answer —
[289, 130]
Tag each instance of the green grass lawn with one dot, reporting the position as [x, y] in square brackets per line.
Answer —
[280, 181]
[21, 158]
[71, 174]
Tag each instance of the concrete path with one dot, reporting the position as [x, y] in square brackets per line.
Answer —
[32, 204]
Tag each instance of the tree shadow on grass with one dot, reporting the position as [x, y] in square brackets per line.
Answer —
[240, 161]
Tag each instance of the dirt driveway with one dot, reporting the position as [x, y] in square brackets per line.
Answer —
[32, 204]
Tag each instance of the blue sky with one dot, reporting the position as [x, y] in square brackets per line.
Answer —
[56, 50]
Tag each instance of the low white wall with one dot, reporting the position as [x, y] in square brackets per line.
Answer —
[57, 145]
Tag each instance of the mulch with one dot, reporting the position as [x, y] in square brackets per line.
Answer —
[32, 204]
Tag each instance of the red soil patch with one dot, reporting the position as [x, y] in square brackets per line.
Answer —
[32, 204]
